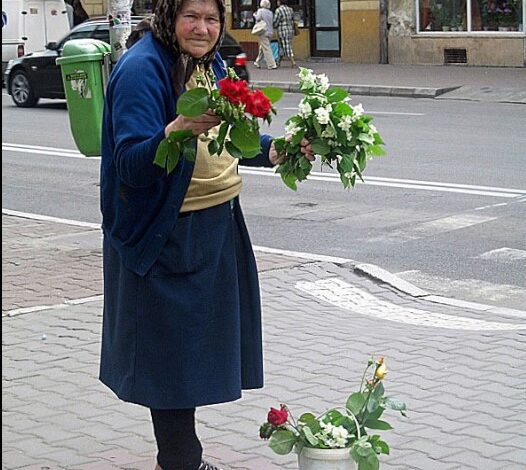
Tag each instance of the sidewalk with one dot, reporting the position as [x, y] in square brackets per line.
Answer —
[460, 367]
[494, 84]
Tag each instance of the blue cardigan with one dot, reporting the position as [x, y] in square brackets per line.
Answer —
[139, 202]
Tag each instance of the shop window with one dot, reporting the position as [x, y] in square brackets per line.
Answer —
[486, 15]
[243, 10]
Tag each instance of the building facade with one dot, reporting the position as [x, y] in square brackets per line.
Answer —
[471, 32]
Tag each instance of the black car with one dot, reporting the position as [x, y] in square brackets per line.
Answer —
[36, 75]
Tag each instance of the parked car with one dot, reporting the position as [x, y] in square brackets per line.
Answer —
[36, 75]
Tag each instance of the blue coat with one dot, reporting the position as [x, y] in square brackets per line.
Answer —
[182, 318]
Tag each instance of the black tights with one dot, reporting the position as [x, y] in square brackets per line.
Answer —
[178, 445]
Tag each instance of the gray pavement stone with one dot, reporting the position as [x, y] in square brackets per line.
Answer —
[464, 389]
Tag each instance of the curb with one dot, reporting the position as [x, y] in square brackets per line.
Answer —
[367, 90]
[379, 274]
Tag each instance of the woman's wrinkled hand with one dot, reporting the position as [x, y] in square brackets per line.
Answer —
[305, 149]
[198, 125]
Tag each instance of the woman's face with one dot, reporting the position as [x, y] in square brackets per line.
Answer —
[197, 26]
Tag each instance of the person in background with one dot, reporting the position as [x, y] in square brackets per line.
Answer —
[264, 13]
[284, 23]
[181, 311]
[79, 14]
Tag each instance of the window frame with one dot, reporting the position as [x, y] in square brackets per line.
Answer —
[237, 7]
[469, 22]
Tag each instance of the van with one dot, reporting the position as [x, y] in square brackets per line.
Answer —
[28, 25]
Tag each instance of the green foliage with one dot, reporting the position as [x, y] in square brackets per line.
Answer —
[341, 136]
[238, 132]
[340, 428]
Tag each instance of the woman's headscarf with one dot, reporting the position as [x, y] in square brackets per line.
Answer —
[163, 28]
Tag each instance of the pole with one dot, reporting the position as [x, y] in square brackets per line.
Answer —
[384, 57]
[119, 16]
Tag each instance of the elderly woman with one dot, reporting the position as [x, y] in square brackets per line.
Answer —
[182, 316]
[284, 23]
[264, 13]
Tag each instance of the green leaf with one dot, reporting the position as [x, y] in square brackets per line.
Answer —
[193, 102]
[342, 109]
[371, 462]
[290, 180]
[395, 404]
[161, 153]
[233, 150]
[367, 138]
[335, 94]
[272, 93]
[247, 140]
[377, 151]
[213, 147]
[173, 157]
[378, 390]
[180, 136]
[320, 147]
[282, 441]
[309, 436]
[355, 402]
[374, 415]
[378, 424]
[223, 129]
[188, 150]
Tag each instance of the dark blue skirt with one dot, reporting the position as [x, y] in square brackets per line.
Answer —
[188, 333]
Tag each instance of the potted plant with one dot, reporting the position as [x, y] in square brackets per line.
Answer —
[338, 438]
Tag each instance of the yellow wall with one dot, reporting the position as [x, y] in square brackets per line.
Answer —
[360, 35]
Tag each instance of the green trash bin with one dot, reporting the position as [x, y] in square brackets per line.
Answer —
[84, 75]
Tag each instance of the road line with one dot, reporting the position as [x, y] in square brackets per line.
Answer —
[348, 297]
[47, 218]
[40, 308]
[504, 254]
[434, 227]
[318, 176]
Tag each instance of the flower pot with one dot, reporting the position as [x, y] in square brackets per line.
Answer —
[325, 459]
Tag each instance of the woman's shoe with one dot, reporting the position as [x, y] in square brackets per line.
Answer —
[273, 68]
[257, 65]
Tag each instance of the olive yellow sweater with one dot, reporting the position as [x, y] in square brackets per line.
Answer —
[215, 178]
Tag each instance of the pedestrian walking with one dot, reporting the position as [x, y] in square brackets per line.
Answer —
[265, 14]
[284, 24]
[182, 315]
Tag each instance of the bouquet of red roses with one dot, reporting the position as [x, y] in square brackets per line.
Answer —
[239, 108]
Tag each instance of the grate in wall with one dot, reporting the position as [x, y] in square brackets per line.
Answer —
[455, 56]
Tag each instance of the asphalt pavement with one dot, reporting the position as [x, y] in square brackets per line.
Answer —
[460, 367]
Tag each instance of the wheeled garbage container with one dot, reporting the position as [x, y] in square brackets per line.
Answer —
[84, 67]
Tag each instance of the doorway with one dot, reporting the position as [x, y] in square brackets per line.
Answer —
[325, 28]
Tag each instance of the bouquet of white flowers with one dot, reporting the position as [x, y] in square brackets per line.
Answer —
[340, 134]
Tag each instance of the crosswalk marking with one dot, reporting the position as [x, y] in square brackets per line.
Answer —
[348, 297]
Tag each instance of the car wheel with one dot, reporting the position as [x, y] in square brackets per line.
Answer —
[21, 91]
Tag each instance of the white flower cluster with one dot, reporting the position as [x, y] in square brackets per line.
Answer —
[333, 436]
[312, 82]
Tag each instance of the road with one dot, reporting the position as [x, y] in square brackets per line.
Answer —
[445, 209]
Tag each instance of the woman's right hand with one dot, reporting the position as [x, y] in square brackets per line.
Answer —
[198, 125]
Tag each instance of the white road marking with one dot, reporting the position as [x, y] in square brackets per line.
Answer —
[315, 175]
[470, 289]
[47, 218]
[434, 227]
[40, 308]
[504, 254]
[348, 297]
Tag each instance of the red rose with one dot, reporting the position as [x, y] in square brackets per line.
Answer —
[258, 104]
[234, 91]
[277, 417]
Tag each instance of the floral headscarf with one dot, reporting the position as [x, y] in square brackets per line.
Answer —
[163, 28]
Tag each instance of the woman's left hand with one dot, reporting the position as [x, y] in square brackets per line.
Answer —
[305, 149]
